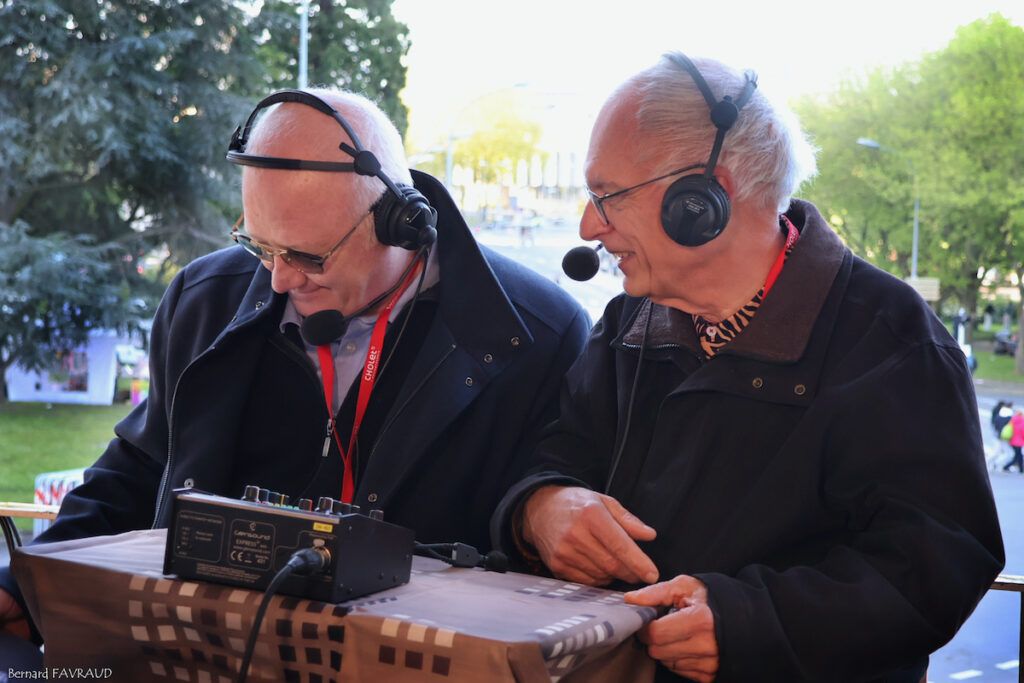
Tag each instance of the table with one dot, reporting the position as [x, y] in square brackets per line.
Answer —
[103, 603]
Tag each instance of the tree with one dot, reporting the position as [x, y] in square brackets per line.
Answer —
[53, 291]
[115, 116]
[503, 135]
[954, 122]
[357, 45]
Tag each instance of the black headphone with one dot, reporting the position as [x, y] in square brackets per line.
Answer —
[695, 208]
[402, 216]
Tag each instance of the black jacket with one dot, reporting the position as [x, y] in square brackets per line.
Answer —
[823, 475]
[483, 369]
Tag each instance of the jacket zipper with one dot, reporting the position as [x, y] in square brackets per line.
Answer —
[166, 477]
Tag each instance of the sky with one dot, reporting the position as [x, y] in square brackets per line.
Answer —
[571, 53]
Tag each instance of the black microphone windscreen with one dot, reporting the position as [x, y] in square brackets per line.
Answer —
[581, 263]
[496, 561]
[323, 327]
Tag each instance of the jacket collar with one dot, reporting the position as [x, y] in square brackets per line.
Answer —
[780, 331]
[468, 285]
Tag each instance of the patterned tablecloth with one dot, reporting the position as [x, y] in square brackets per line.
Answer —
[104, 603]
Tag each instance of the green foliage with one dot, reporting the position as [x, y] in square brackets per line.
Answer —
[108, 109]
[115, 114]
[504, 134]
[954, 122]
[357, 45]
[53, 291]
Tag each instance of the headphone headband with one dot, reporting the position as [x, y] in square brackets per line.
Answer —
[696, 208]
[403, 218]
[724, 112]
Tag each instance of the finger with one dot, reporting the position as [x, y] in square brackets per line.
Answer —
[674, 592]
[575, 575]
[692, 675]
[609, 561]
[634, 563]
[628, 521]
[653, 595]
[693, 667]
[578, 568]
[689, 632]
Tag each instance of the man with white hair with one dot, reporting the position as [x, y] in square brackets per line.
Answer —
[372, 352]
[780, 438]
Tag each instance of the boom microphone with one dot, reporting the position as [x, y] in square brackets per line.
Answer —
[324, 327]
[582, 263]
[329, 325]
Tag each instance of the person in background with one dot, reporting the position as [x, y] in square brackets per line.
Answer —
[1001, 414]
[780, 439]
[1016, 442]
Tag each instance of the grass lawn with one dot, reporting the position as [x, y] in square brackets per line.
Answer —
[993, 367]
[42, 437]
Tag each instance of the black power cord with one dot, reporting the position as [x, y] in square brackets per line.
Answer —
[305, 561]
[463, 555]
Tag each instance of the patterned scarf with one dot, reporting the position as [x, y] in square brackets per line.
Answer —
[714, 336]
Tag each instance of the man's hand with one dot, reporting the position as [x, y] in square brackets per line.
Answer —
[683, 640]
[12, 620]
[587, 537]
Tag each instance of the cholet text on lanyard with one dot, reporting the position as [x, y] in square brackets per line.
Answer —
[367, 380]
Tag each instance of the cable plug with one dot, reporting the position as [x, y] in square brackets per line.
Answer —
[310, 560]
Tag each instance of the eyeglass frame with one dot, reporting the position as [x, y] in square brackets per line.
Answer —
[318, 262]
[599, 200]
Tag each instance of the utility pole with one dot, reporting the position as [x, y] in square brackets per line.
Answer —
[303, 41]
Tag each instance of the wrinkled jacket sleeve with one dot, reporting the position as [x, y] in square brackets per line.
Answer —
[903, 463]
[119, 490]
[576, 449]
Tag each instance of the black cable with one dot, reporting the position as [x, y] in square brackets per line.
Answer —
[425, 255]
[632, 396]
[305, 561]
[463, 555]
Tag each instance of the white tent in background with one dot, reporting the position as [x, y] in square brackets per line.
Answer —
[86, 375]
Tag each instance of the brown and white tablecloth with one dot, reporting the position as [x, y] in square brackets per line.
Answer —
[104, 603]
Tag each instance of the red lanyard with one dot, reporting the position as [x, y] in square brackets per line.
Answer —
[366, 383]
[792, 235]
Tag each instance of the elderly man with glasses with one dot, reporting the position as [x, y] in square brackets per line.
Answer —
[777, 437]
[423, 394]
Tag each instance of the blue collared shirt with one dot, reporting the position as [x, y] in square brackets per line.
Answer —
[350, 350]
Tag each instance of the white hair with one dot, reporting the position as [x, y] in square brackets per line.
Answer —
[766, 152]
[375, 130]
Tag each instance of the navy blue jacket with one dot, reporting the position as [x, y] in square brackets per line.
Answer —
[462, 428]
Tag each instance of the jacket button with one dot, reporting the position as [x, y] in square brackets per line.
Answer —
[189, 483]
[799, 390]
[469, 381]
[757, 383]
[488, 358]
[372, 498]
[514, 341]
[259, 305]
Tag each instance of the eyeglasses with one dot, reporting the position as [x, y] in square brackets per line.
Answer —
[599, 200]
[311, 264]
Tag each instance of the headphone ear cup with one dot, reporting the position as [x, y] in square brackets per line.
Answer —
[695, 210]
[409, 221]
